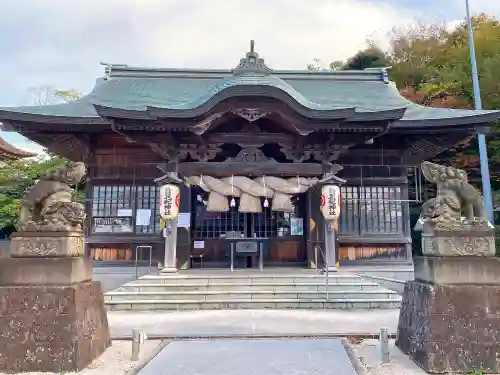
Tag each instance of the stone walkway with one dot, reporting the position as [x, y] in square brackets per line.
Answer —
[251, 322]
[251, 357]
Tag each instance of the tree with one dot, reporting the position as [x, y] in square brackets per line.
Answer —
[46, 95]
[67, 96]
[431, 66]
[18, 175]
[371, 57]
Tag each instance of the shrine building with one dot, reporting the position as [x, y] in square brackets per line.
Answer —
[256, 130]
[9, 152]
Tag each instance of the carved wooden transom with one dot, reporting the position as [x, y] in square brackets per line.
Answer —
[251, 155]
[251, 114]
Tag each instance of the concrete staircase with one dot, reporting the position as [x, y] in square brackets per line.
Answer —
[250, 291]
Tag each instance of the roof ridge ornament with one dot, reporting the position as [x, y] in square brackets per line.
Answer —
[252, 63]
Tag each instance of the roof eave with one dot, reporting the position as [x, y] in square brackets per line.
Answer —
[386, 115]
[450, 122]
[39, 118]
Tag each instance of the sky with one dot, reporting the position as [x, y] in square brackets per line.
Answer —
[60, 43]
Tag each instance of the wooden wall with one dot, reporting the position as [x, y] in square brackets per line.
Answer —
[112, 151]
[371, 252]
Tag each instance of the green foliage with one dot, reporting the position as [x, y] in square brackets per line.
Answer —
[67, 96]
[372, 57]
[16, 177]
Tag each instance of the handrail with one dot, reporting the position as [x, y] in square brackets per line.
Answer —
[140, 247]
[325, 261]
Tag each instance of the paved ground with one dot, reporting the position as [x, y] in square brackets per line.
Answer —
[368, 352]
[114, 277]
[251, 357]
[248, 322]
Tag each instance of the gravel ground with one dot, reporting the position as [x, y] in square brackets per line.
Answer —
[368, 352]
[114, 361]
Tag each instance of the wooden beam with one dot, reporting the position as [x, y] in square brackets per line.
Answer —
[242, 138]
[246, 169]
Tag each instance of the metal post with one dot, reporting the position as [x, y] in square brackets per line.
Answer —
[481, 138]
[136, 345]
[384, 345]
[136, 262]
[327, 280]
[316, 256]
[150, 258]
[232, 256]
[261, 259]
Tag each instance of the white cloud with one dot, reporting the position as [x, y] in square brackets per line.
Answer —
[60, 42]
[66, 40]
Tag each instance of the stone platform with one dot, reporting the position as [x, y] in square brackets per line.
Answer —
[51, 328]
[451, 328]
[248, 357]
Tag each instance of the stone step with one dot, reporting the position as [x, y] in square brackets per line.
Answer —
[151, 304]
[249, 279]
[247, 287]
[254, 295]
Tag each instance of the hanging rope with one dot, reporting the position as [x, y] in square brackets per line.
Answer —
[250, 191]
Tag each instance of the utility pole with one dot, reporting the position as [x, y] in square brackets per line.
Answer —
[481, 138]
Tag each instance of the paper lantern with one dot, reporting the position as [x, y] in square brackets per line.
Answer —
[330, 202]
[169, 202]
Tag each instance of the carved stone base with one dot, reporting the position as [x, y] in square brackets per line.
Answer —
[45, 271]
[452, 328]
[457, 270]
[51, 328]
[47, 244]
[453, 243]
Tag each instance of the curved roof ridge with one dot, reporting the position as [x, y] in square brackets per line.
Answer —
[255, 80]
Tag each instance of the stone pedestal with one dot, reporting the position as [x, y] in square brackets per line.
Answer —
[170, 265]
[468, 241]
[47, 244]
[51, 328]
[52, 316]
[450, 316]
[330, 246]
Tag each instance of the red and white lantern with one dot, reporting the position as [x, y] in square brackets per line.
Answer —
[169, 201]
[330, 202]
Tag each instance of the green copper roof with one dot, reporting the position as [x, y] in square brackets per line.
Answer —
[351, 95]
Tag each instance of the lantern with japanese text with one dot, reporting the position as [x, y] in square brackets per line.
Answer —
[330, 202]
[169, 202]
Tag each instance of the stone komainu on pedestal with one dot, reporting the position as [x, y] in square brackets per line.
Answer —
[52, 315]
[450, 315]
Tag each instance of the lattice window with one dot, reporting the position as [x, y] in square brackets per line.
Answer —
[270, 223]
[349, 210]
[117, 209]
[148, 204]
[375, 210]
[216, 224]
